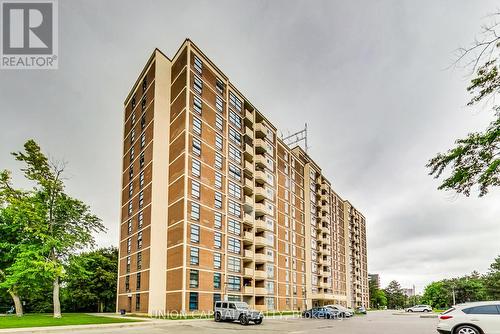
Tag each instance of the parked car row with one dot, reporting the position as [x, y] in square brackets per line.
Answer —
[328, 312]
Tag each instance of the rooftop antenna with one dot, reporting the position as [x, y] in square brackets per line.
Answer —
[297, 137]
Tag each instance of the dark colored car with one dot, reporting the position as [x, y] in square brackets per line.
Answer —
[321, 313]
[361, 310]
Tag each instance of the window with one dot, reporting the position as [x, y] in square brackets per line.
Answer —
[193, 278]
[139, 261]
[141, 199]
[143, 140]
[233, 264]
[217, 240]
[233, 245]
[218, 161]
[141, 160]
[143, 121]
[197, 104]
[132, 136]
[197, 147]
[233, 226]
[195, 233]
[129, 226]
[218, 200]
[217, 260]
[234, 190]
[196, 168]
[235, 119]
[219, 87]
[128, 264]
[195, 211]
[218, 142]
[132, 155]
[129, 245]
[140, 219]
[235, 172]
[234, 154]
[137, 302]
[234, 136]
[139, 240]
[193, 301]
[198, 65]
[234, 209]
[133, 102]
[132, 120]
[218, 220]
[143, 104]
[144, 84]
[219, 123]
[138, 281]
[127, 283]
[233, 283]
[217, 281]
[194, 256]
[141, 180]
[131, 172]
[484, 309]
[219, 103]
[218, 180]
[195, 189]
[129, 208]
[130, 189]
[197, 125]
[236, 102]
[198, 85]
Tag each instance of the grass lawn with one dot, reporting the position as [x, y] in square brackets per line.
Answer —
[43, 320]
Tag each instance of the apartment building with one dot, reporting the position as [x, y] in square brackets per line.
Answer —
[215, 206]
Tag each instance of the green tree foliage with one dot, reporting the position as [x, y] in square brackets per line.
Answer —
[492, 280]
[395, 297]
[475, 160]
[377, 296]
[56, 224]
[90, 283]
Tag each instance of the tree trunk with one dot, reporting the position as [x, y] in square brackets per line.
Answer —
[55, 298]
[17, 303]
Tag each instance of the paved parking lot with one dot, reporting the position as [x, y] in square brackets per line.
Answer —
[383, 322]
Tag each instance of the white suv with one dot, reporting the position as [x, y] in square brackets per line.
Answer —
[419, 308]
[471, 318]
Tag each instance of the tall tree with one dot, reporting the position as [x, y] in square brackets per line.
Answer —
[67, 225]
[91, 281]
[395, 296]
[475, 160]
[492, 280]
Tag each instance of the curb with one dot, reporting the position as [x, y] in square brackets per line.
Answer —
[73, 328]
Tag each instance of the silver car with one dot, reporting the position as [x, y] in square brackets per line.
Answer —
[227, 310]
[419, 308]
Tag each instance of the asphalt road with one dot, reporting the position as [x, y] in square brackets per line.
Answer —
[383, 322]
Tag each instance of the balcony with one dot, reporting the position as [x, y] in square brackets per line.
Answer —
[263, 209]
[325, 198]
[260, 274]
[262, 193]
[324, 187]
[264, 225]
[249, 168]
[262, 131]
[262, 161]
[324, 285]
[248, 205]
[247, 237]
[248, 132]
[248, 186]
[247, 272]
[247, 255]
[260, 291]
[261, 241]
[248, 219]
[249, 119]
[261, 146]
[261, 258]
[248, 152]
[248, 290]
